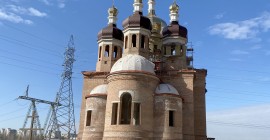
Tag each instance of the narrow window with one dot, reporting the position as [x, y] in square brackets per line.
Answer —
[115, 52]
[173, 50]
[134, 40]
[137, 114]
[107, 50]
[126, 108]
[165, 50]
[114, 113]
[155, 47]
[142, 41]
[126, 42]
[181, 49]
[99, 55]
[171, 118]
[146, 42]
[88, 117]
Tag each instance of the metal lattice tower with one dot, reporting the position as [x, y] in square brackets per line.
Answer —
[62, 122]
[34, 132]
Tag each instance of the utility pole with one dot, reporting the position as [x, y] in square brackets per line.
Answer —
[35, 123]
[62, 122]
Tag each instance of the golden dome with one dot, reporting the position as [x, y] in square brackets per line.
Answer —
[174, 8]
[113, 11]
[157, 23]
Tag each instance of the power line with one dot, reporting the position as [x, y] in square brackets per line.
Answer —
[34, 36]
[11, 112]
[12, 118]
[17, 54]
[28, 68]
[13, 41]
[4, 104]
[24, 62]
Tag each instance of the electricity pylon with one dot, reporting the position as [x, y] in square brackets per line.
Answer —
[62, 122]
[35, 130]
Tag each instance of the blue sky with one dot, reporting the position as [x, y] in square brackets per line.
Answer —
[230, 38]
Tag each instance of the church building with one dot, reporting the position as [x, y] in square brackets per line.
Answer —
[145, 86]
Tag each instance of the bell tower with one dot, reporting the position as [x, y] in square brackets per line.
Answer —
[175, 40]
[110, 42]
[137, 31]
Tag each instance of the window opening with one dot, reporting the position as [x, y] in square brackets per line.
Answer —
[99, 55]
[171, 118]
[107, 50]
[126, 108]
[114, 113]
[126, 42]
[134, 40]
[115, 52]
[88, 117]
[173, 50]
[137, 114]
[143, 41]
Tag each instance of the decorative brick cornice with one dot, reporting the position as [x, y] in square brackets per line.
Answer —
[96, 95]
[131, 75]
[94, 73]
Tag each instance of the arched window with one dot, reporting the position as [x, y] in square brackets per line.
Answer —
[107, 51]
[143, 41]
[99, 55]
[134, 40]
[115, 51]
[126, 100]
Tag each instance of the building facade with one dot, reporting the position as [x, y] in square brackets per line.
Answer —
[144, 86]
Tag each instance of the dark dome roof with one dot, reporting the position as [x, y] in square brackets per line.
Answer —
[111, 31]
[174, 29]
[137, 20]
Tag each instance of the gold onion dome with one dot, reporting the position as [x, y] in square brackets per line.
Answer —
[157, 23]
[174, 8]
[113, 11]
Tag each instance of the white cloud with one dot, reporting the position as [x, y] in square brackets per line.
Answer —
[26, 11]
[239, 52]
[247, 123]
[35, 12]
[47, 2]
[219, 16]
[11, 17]
[61, 3]
[246, 29]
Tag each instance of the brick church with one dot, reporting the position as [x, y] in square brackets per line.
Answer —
[145, 86]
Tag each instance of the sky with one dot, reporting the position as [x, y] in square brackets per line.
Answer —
[230, 39]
